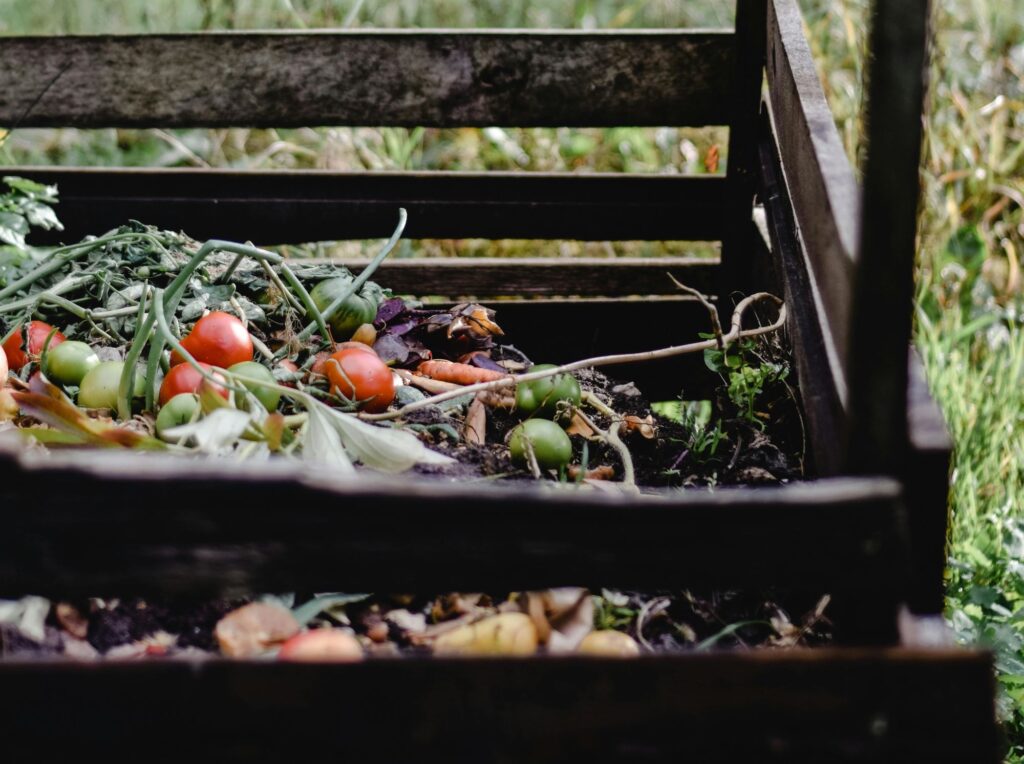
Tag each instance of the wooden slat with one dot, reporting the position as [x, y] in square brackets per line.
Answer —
[132, 523]
[884, 296]
[926, 478]
[303, 206]
[737, 246]
[541, 276]
[820, 180]
[822, 389]
[795, 706]
[396, 77]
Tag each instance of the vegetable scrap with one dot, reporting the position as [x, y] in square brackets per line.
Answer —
[145, 339]
[345, 628]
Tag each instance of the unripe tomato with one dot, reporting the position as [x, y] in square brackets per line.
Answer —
[18, 355]
[184, 378]
[268, 396]
[361, 376]
[218, 339]
[357, 309]
[322, 645]
[98, 389]
[69, 362]
[542, 396]
[551, 446]
[179, 410]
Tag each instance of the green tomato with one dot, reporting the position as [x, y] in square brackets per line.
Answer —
[357, 309]
[551, 446]
[265, 395]
[177, 411]
[99, 386]
[69, 362]
[542, 396]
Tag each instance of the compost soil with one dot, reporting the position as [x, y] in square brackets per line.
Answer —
[660, 621]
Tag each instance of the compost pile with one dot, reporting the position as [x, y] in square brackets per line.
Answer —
[145, 339]
[351, 627]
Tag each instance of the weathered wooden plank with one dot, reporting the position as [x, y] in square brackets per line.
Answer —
[926, 478]
[541, 276]
[737, 246]
[883, 300]
[395, 77]
[294, 207]
[110, 525]
[818, 175]
[821, 385]
[816, 706]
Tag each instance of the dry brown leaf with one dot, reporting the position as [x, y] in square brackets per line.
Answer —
[643, 426]
[474, 428]
[254, 629]
[579, 426]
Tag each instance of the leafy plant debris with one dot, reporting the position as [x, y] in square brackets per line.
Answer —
[147, 340]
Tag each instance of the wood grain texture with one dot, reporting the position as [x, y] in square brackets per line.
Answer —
[884, 293]
[541, 276]
[110, 525]
[822, 393]
[821, 183]
[280, 207]
[764, 706]
[396, 77]
[748, 67]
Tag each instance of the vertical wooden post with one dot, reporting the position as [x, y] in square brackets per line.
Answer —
[884, 288]
[748, 67]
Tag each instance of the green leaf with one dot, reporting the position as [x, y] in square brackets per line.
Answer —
[13, 229]
[322, 602]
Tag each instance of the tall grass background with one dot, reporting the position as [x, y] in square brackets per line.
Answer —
[968, 309]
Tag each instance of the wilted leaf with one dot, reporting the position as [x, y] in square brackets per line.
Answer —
[323, 602]
[474, 429]
[382, 448]
[214, 432]
[322, 443]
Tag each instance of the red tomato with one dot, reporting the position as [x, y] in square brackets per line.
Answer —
[363, 377]
[218, 339]
[37, 334]
[183, 378]
[320, 363]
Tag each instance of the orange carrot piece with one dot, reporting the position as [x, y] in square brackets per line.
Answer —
[458, 373]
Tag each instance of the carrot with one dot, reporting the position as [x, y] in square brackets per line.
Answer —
[458, 373]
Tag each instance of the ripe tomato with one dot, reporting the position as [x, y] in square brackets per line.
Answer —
[38, 331]
[183, 378]
[218, 339]
[361, 376]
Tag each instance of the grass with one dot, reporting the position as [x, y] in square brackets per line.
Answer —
[971, 235]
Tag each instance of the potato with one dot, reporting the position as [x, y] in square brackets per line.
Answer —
[502, 634]
[609, 643]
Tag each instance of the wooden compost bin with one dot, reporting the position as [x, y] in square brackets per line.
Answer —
[870, 528]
